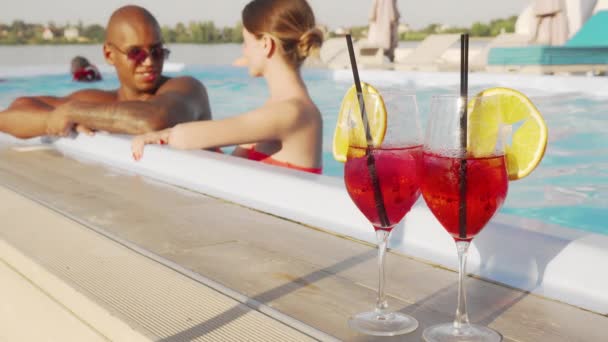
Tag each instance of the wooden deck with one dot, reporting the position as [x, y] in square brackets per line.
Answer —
[313, 277]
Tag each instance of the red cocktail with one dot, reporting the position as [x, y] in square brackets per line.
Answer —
[486, 189]
[398, 171]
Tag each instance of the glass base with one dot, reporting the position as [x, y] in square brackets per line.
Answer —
[389, 324]
[467, 333]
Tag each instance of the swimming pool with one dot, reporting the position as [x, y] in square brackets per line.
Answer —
[568, 188]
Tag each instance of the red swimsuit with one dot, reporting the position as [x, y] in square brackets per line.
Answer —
[86, 74]
[252, 154]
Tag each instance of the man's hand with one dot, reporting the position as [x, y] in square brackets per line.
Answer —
[85, 130]
[58, 122]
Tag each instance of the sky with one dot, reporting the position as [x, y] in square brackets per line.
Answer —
[333, 13]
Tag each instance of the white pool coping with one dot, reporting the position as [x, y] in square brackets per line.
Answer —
[544, 259]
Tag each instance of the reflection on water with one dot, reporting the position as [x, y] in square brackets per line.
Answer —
[569, 188]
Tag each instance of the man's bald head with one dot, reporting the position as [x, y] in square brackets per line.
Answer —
[129, 19]
[134, 46]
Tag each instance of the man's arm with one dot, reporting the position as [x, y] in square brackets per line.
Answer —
[178, 100]
[27, 117]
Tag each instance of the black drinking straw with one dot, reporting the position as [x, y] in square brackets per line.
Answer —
[464, 86]
[371, 165]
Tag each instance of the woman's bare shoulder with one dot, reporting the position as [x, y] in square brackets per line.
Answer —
[291, 114]
[300, 108]
[308, 111]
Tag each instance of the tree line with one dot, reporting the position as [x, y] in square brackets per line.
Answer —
[477, 29]
[206, 32]
[20, 32]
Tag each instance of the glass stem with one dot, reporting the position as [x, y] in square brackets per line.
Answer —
[381, 304]
[462, 317]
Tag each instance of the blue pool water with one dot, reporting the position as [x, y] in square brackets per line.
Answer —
[569, 188]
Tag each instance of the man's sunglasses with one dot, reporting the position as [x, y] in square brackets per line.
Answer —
[138, 54]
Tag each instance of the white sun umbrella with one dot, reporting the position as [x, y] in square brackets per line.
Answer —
[551, 22]
[384, 22]
[578, 12]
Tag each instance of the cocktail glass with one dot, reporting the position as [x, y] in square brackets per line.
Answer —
[382, 178]
[464, 183]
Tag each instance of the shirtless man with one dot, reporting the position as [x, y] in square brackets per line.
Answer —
[146, 100]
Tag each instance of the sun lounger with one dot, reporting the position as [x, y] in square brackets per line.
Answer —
[426, 55]
[370, 55]
[586, 52]
[430, 54]
[334, 54]
[480, 61]
[332, 50]
[549, 59]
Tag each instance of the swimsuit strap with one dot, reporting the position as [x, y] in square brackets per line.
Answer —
[252, 154]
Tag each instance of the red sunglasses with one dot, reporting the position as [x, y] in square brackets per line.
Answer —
[138, 55]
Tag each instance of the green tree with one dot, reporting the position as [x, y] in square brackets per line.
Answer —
[500, 25]
[237, 35]
[168, 34]
[196, 32]
[94, 33]
[432, 28]
[210, 32]
[181, 33]
[480, 30]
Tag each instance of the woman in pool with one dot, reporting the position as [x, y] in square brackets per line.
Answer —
[83, 71]
[287, 130]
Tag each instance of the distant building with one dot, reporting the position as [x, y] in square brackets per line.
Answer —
[403, 28]
[341, 31]
[444, 28]
[71, 33]
[47, 34]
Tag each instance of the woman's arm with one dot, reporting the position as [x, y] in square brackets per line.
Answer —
[271, 122]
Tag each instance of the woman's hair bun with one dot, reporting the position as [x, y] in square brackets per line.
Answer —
[309, 43]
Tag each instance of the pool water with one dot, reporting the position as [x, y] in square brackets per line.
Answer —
[569, 188]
